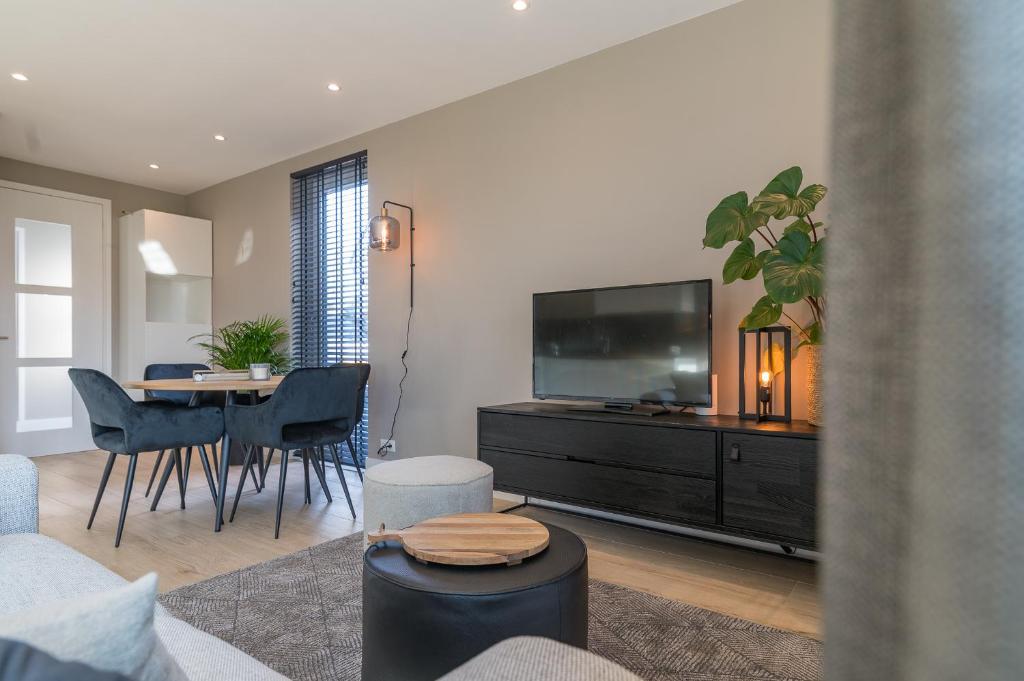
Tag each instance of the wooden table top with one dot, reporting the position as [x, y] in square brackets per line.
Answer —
[191, 386]
[470, 539]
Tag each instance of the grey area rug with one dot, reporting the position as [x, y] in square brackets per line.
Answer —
[301, 614]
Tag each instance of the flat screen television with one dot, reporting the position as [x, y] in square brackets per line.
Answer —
[624, 345]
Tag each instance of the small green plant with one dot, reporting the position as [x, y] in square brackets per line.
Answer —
[791, 265]
[239, 344]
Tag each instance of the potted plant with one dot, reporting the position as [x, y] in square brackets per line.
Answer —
[790, 261]
[240, 344]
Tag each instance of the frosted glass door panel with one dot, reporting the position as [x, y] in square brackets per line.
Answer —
[42, 253]
[44, 326]
[44, 399]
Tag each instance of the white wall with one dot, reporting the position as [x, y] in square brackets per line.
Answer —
[596, 173]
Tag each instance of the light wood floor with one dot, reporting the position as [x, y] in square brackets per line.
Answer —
[181, 547]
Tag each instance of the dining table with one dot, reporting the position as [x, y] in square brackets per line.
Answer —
[230, 388]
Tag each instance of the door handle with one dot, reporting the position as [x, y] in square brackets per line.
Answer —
[5, 338]
[734, 455]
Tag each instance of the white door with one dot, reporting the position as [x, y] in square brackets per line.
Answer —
[54, 314]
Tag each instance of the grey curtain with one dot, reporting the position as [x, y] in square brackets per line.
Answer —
[923, 505]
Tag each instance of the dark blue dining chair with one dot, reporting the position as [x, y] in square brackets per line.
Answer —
[122, 426]
[364, 378]
[179, 370]
[309, 411]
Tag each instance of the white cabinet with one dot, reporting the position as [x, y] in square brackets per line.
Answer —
[165, 283]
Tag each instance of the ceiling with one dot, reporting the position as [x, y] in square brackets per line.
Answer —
[115, 85]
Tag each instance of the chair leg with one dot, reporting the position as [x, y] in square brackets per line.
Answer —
[181, 476]
[318, 462]
[216, 457]
[305, 468]
[163, 482]
[156, 469]
[261, 473]
[246, 467]
[280, 493]
[222, 477]
[188, 466]
[206, 469]
[355, 459]
[266, 467]
[255, 479]
[341, 476]
[103, 486]
[129, 481]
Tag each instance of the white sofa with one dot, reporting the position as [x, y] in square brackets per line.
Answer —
[35, 569]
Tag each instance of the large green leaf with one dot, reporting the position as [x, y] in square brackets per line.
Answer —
[798, 225]
[814, 336]
[793, 270]
[801, 225]
[732, 220]
[764, 313]
[783, 198]
[743, 263]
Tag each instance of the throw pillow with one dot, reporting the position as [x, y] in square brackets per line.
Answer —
[21, 662]
[109, 630]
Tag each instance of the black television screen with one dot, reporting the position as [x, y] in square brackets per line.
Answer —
[649, 343]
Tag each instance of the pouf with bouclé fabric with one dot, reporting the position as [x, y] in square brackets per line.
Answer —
[404, 492]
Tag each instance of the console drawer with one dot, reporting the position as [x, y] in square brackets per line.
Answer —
[643, 492]
[769, 484]
[651, 446]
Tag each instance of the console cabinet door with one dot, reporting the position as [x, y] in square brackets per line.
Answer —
[769, 485]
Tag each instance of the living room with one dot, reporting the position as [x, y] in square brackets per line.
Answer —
[484, 339]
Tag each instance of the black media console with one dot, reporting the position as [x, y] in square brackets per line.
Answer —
[716, 473]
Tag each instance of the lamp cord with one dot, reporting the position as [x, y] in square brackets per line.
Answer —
[383, 449]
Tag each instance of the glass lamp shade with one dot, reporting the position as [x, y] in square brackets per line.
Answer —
[385, 233]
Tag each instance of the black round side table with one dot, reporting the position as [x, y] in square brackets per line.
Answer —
[420, 621]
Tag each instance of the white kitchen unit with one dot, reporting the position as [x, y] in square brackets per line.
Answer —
[166, 295]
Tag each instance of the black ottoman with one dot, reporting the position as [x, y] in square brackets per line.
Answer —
[420, 621]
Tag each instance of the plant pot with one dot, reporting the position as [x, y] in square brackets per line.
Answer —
[815, 397]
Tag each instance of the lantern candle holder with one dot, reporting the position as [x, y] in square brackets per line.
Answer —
[765, 378]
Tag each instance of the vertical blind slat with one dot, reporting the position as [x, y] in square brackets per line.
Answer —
[329, 243]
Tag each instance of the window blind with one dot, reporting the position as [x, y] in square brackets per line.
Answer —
[329, 248]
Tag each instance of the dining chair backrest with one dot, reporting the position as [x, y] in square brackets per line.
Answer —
[109, 406]
[364, 378]
[315, 395]
[158, 371]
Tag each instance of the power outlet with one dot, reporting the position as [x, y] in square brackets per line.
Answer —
[388, 447]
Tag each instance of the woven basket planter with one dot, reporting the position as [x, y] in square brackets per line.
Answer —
[815, 398]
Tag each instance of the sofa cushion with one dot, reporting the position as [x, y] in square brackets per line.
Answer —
[529, 658]
[19, 487]
[206, 658]
[37, 569]
[108, 630]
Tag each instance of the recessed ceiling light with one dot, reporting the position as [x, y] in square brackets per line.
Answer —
[333, 87]
[154, 166]
[520, 5]
[219, 138]
[19, 76]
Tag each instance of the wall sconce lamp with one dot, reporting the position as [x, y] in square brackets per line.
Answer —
[771, 367]
[386, 235]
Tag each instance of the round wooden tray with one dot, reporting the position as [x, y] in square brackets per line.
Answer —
[470, 539]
